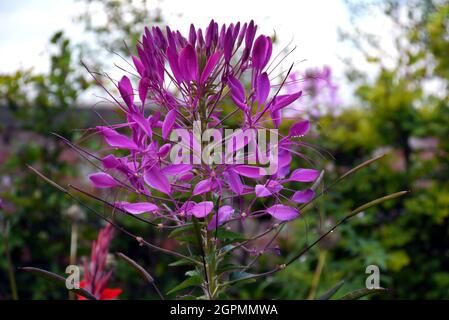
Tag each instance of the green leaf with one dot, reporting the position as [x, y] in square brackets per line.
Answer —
[180, 231]
[59, 280]
[192, 273]
[229, 267]
[376, 202]
[241, 276]
[362, 293]
[329, 293]
[227, 236]
[190, 282]
[182, 262]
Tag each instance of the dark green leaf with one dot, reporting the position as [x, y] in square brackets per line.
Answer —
[180, 231]
[227, 236]
[182, 262]
[354, 295]
[329, 293]
[190, 282]
[57, 279]
[241, 276]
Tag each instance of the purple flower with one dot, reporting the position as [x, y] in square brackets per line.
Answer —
[282, 212]
[303, 196]
[136, 208]
[102, 180]
[185, 79]
[223, 215]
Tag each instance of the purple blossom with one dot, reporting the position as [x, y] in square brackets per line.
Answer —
[183, 79]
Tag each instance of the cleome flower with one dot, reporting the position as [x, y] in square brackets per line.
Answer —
[185, 84]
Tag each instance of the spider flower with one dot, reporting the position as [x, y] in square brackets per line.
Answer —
[184, 84]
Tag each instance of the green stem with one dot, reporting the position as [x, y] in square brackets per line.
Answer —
[73, 251]
[11, 276]
[199, 239]
[317, 275]
[211, 254]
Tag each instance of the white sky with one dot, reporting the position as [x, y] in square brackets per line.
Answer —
[26, 26]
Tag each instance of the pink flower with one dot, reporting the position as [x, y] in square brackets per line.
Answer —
[187, 78]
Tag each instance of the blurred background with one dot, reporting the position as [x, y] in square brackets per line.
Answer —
[375, 73]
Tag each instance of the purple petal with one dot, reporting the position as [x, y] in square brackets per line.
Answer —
[139, 66]
[172, 58]
[260, 51]
[126, 91]
[110, 162]
[283, 213]
[210, 65]
[242, 106]
[223, 215]
[237, 90]
[188, 63]
[284, 158]
[136, 208]
[186, 207]
[263, 88]
[164, 150]
[202, 209]
[303, 196]
[228, 45]
[168, 123]
[157, 180]
[299, 129]
[275, 186]
[143, 90]
[186, 176]
[285, 100]
[209, 34]
[192, 35]
[248, 171]
[143, 123]
[202, 187]
[304, 175]
[114, 139]
[262, 191]
[241, 34]
[234, 181]
[276, 116]
[250, 33]
[268, 52]
[175, 169]
[102, 180]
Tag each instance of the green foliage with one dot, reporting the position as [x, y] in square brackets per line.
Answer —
[406, 238]
[34, 209]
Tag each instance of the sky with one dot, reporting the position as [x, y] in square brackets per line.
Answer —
[311, 26]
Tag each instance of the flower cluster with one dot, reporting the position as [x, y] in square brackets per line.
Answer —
[187, 80]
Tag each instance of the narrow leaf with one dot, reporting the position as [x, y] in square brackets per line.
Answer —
[190, 282]
[329, 293]
[58, 279]
[376, 202]
[362, 293]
